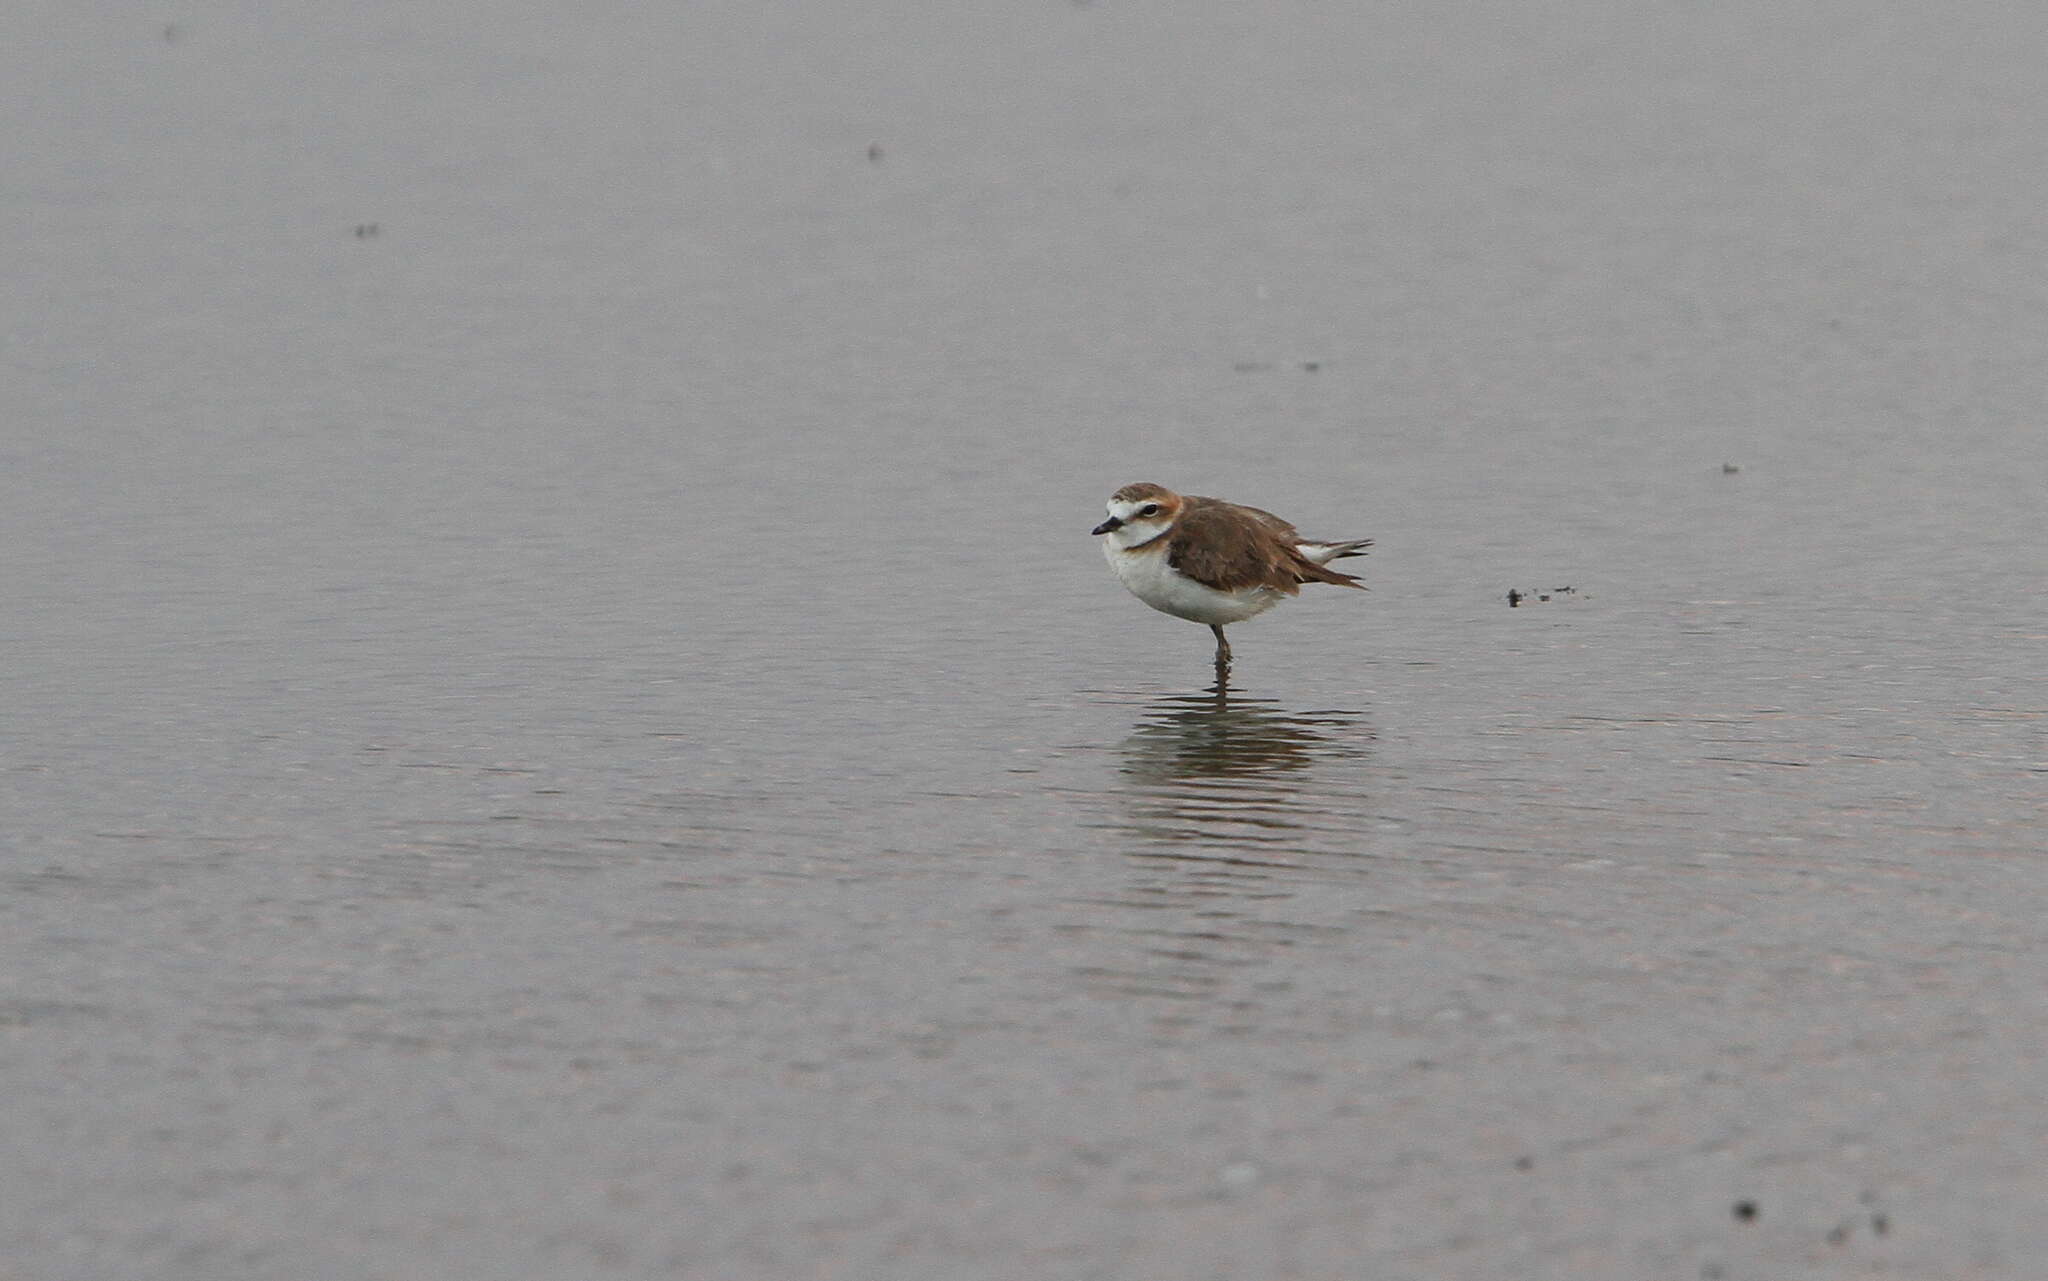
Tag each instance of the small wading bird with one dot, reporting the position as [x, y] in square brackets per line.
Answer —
[1212, 562]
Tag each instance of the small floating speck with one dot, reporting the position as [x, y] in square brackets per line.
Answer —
[1516, 595]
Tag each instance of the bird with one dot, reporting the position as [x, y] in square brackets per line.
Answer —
[1213, 562]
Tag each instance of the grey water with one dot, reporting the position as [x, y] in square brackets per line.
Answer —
[560, 717]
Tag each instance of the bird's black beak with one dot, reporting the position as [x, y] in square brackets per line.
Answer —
[1107, 525]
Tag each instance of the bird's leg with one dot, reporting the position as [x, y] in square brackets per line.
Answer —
[1222, 648]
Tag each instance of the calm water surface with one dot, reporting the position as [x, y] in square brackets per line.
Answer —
[562, 718]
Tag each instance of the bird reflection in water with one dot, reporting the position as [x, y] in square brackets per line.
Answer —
[1218, 769]
[1234, 805]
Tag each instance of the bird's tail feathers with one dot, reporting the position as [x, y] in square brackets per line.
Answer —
[1324, 553]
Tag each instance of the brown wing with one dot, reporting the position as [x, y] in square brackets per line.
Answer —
[1230, 548]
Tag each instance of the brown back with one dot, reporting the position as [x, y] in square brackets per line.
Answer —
[1231, 547]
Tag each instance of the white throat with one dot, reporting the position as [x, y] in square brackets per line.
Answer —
[1125, 537]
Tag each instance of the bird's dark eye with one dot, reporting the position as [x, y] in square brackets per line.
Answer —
[1149, 509]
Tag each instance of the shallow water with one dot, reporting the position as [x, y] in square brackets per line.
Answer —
[563, 719]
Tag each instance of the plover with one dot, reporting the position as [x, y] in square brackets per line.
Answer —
[1212, 562]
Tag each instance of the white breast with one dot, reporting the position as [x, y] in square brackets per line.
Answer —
[1149, 578]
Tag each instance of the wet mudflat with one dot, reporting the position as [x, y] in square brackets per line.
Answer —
[581, 732]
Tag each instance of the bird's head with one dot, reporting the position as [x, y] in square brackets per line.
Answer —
[1138, 514]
